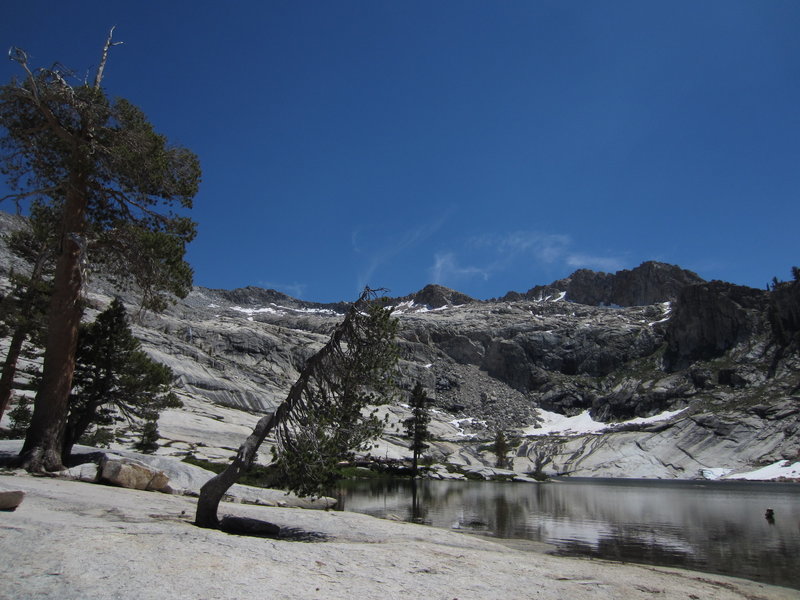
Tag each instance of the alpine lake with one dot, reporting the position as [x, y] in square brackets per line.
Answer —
[712, 526]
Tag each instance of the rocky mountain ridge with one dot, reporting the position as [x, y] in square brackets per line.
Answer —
[722, 361]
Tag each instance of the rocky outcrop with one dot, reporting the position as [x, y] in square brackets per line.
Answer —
[784, 313]
[131, 473]
[701, 445]
[610, 344]
[437, 296]
[711, 318]
[649, 283]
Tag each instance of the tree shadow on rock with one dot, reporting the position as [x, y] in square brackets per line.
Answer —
[264, 529]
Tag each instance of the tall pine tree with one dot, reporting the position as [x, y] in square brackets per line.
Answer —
[416, 425]
[113, 181]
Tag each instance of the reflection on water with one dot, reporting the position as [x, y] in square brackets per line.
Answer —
[718, 527]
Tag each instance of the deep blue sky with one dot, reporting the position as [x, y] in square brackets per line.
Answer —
[486, 146]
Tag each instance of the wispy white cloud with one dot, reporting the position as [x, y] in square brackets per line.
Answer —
[446, 269]
[495, 253]
[296, 290]
[602, 263]
[394, 245]
[547, 248]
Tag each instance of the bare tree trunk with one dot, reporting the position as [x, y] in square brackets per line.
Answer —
[76, 426]
[10, 368]
[102, 66]
[344, 340]
[19, 336]
[44, 440]
[214, 489]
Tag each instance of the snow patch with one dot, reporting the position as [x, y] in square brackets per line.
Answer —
[281, 311]
[469, 421]
[782, 468]
[255, 311]
[715, 473]
[311, 311]
[583, 424]
[664, 416]
[551, 298]
[409, 306]
[666, 308]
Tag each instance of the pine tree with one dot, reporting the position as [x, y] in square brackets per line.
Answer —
[112, 179]
[113, 376]
[501, 448]
[324, 417]
[416, 425]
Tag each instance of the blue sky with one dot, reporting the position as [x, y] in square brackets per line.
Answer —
[486, 146]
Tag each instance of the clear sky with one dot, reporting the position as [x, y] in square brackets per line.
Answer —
[486, 146]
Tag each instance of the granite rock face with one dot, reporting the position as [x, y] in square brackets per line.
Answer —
[649, 283]
[711, 318]
[621, 346]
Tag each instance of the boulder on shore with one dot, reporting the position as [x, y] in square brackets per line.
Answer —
[131, 473]
[11, 499]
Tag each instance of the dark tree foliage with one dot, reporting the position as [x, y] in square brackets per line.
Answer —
[325, 416]
[112, 179]
[23, 309]
[148, 441]
[416, 426]
[113, 376]
[501, 447]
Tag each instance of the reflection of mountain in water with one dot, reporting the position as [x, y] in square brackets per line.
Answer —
[716, 527]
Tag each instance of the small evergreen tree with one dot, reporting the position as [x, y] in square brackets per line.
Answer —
[501, 447]
[148, 442]
[416, 425]
[20, 416]
[114, 376]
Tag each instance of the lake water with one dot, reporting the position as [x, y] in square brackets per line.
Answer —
[717, 527]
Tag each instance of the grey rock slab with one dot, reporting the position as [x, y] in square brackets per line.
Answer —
[11, 499]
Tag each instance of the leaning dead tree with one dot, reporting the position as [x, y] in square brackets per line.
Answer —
[324, 417]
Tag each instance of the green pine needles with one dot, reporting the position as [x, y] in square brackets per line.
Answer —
[115, 378]
[416, 425]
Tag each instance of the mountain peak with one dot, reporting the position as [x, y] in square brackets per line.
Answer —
[436, 296]
[649, 283]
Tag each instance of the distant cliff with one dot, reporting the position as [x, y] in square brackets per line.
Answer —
[649, 283]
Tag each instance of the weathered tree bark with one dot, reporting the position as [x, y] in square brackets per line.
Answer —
[10, 368]
[76, 426]
[102, 66]
[214, 489]
[18, 338]
[44, 441]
